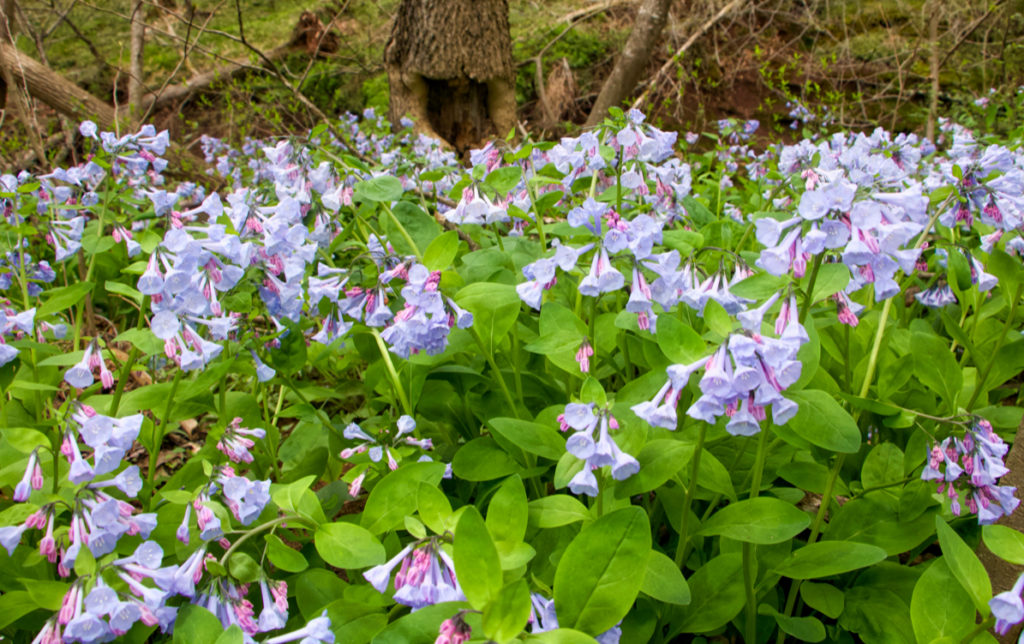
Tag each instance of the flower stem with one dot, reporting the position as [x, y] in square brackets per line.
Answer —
[995, 350]
[749, 563]
[395, 381]
[497, 372]
[684, 538]
[158, 434]
[405, 233]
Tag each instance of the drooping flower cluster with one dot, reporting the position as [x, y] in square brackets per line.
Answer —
[383, 446]
[745, 375]
[594, 452]
[237, 441]
[426, 576]
[968, 471]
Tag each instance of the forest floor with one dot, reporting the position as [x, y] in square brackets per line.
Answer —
[857, 63]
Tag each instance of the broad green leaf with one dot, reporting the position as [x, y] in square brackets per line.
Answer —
[965, 566]
[827, 558]
[507, 512]
[143, 340]
[396, 495]
[940, 609]
[556, 510]
[831, 279]
[596, 580]
[476, 559]
[283, 557]
[63, 297]
[420, 627]
[762, 520]
[15, 604]
[560, 636]
[1004, 542]
[434, 509]
[713, 476]
[823, 422]
[717, 591]
[883, 465]
[805, 629]
[663, 580]
[244, 568]
[481, 459]
[441, 252]
[315, 589]
[378, 189]
[660, 460]
[824, 598]
[531, 437]
[495, 308]
[123, 289]
[877, 616]
[346, 545]
[291, 355]
[504, 178]
[298, 498]
[717, 319]
[679, 342]
[196, 625]
[233, 635]
[506, 616]
[876, 522]
[940, 371]
[561, 334]
[45, 593]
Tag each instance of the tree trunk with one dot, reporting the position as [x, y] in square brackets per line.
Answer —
[135, 72]
[450, 69]
[53, 89]
[650, 21]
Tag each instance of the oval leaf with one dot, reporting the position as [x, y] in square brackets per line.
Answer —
[827, 558]
[761, 520]
[346, 545]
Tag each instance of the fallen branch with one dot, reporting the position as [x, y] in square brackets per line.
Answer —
[674, 60]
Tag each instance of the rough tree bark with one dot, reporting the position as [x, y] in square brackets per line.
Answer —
[135, 72]
[628, 70]
[450, 69]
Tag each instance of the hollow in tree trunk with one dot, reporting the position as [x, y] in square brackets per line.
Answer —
[450, 69]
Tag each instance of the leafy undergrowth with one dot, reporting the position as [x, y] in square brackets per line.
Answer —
[610, 388]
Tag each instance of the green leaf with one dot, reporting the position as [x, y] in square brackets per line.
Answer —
[831, 279]
[534, 438]
[883, 466]
[123, 289]
[481, 459]
[420, 627]
[233, 635]
[504, 178]
[291, 355]
[298, 498]
[827, 558]
[346, 545]
[556, 510]
[46, 594]
[396, 495]
[244, 568]
[663, 580]
[805, 629]
[759, 286]
[824, 598]
[495, 308]
[596, 580]
[15, 604]
[143, 340]
[560, 636]
[822, 422]
[561, 333]
[717, 590]
[476, 559]
[940, 609]
[196, 625]
[63, 297]
[283, 557]
[441, 252]
[875, 521]
[698, 212]
[378, 189]
[434, 509]
[940, 371]
[506, 616]
[762, 520]
[965, 566]
[678, 341]
[660, 460]
[1004, 542]
[507, 512]
[717, 319]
